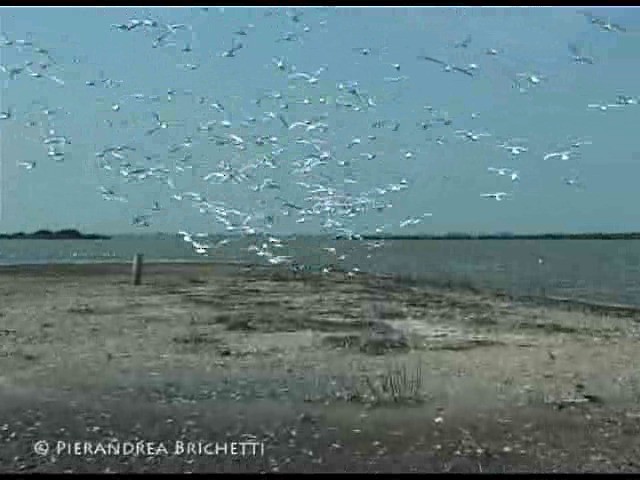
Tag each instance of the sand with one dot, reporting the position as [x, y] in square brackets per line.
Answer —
[327, 373]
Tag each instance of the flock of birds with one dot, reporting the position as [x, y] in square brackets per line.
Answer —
[277, 143]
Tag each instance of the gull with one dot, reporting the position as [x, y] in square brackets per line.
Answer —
[532, 78]
[121, 26]
[565, 155]
[280, 259]
[317, 126]
[221, 243]
[579, 143]
[410, 221]
[6, 42]
[186, 144]
[188, 66]
[571, 181]
[395, 79]
[55, 155]
[610, 27]
[7, 114]
[626, 100]
[513, 149]
[396, 66]
[491, 51]
[447, 67]
[363, 51]
[500, 171]
[160, 124]
[235, 139]
[354, 142]
[109, 194]
[267, 183]
[279, 63]
[27, 165]
[218, 106]
[577, 56]
[605, 25]
[14, 71]
[463, 44]
[161, 38]
[173, 28]
[235, 46]
[288, 37]
[186, 236]
[311, 79]
[474, 137]
[56, 140]
[497, 195]
[294, 15]
[304, 123]
[604, 108]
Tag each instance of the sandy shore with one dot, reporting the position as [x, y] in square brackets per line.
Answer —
[327, 373]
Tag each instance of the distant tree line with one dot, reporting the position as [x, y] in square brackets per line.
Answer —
[65, 234]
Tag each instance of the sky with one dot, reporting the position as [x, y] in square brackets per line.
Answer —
[445, 172]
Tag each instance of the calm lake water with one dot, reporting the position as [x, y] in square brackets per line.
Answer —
[593, 270]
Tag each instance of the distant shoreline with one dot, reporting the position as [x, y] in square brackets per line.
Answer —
[542, 236]
[66, 234]
[72, 234]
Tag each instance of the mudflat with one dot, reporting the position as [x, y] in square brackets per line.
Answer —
[323, 373]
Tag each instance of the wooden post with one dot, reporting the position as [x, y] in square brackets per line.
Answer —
[137, 269]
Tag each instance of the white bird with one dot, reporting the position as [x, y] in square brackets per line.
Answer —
[579, 143]
[311, 79]
[604, 108]
[500, 171]
[513, 149]
[27, 165]
[497, 195]
[505, 171]
[566, 155]
[626, 100]
[474, 137]
[532, 78]
[186, 236]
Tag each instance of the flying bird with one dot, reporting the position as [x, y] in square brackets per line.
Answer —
[447, 67]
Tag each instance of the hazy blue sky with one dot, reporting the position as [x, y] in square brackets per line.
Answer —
[445, 179]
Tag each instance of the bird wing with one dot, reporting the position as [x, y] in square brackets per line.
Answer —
[462, 70]
[431, 59]
[620, 28]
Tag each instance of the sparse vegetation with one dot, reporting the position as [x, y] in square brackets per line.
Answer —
[176, 359]
[396, 384]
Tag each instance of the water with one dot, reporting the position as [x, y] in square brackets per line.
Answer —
[592, 270]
